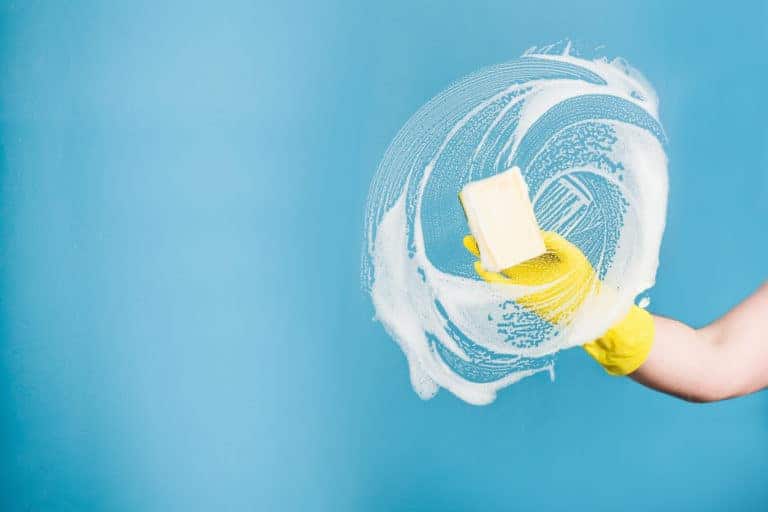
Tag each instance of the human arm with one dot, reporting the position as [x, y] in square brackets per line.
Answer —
[725, 359]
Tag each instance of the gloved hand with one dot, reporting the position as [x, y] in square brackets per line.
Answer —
[567, 279]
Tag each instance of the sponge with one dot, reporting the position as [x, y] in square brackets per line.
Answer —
[500, 216]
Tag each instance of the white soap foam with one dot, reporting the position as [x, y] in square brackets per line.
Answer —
[586, 136]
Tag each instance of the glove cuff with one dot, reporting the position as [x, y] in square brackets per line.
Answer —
[626, 345]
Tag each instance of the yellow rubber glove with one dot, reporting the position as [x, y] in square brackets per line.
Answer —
[567, 278]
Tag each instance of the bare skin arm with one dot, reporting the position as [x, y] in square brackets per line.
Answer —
[725, 359]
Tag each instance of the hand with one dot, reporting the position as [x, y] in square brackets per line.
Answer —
[567, 279]
[563, 267]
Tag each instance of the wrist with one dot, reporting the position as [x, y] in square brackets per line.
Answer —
[625, 346]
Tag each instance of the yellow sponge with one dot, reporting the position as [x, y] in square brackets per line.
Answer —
[500, 216]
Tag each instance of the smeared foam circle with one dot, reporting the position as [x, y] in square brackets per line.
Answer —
[587, 137]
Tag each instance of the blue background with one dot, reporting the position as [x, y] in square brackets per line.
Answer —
[181, 320]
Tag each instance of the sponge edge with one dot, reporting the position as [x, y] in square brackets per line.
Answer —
[500, 217]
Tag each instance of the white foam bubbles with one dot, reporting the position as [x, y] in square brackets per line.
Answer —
[586, 136]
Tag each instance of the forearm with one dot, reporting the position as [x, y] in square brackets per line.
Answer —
[727, 358]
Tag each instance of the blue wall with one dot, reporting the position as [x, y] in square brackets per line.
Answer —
[181, 320]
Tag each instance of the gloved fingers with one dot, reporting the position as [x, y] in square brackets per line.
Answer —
[533, 272]
[470, 244]
[546, 268]
[490, 277]
[554, 242]
[560, 247]
[540, 270]
[561, 260]
[568, 254]
[526, 273]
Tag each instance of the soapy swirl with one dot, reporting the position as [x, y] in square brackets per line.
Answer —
[586, 136]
